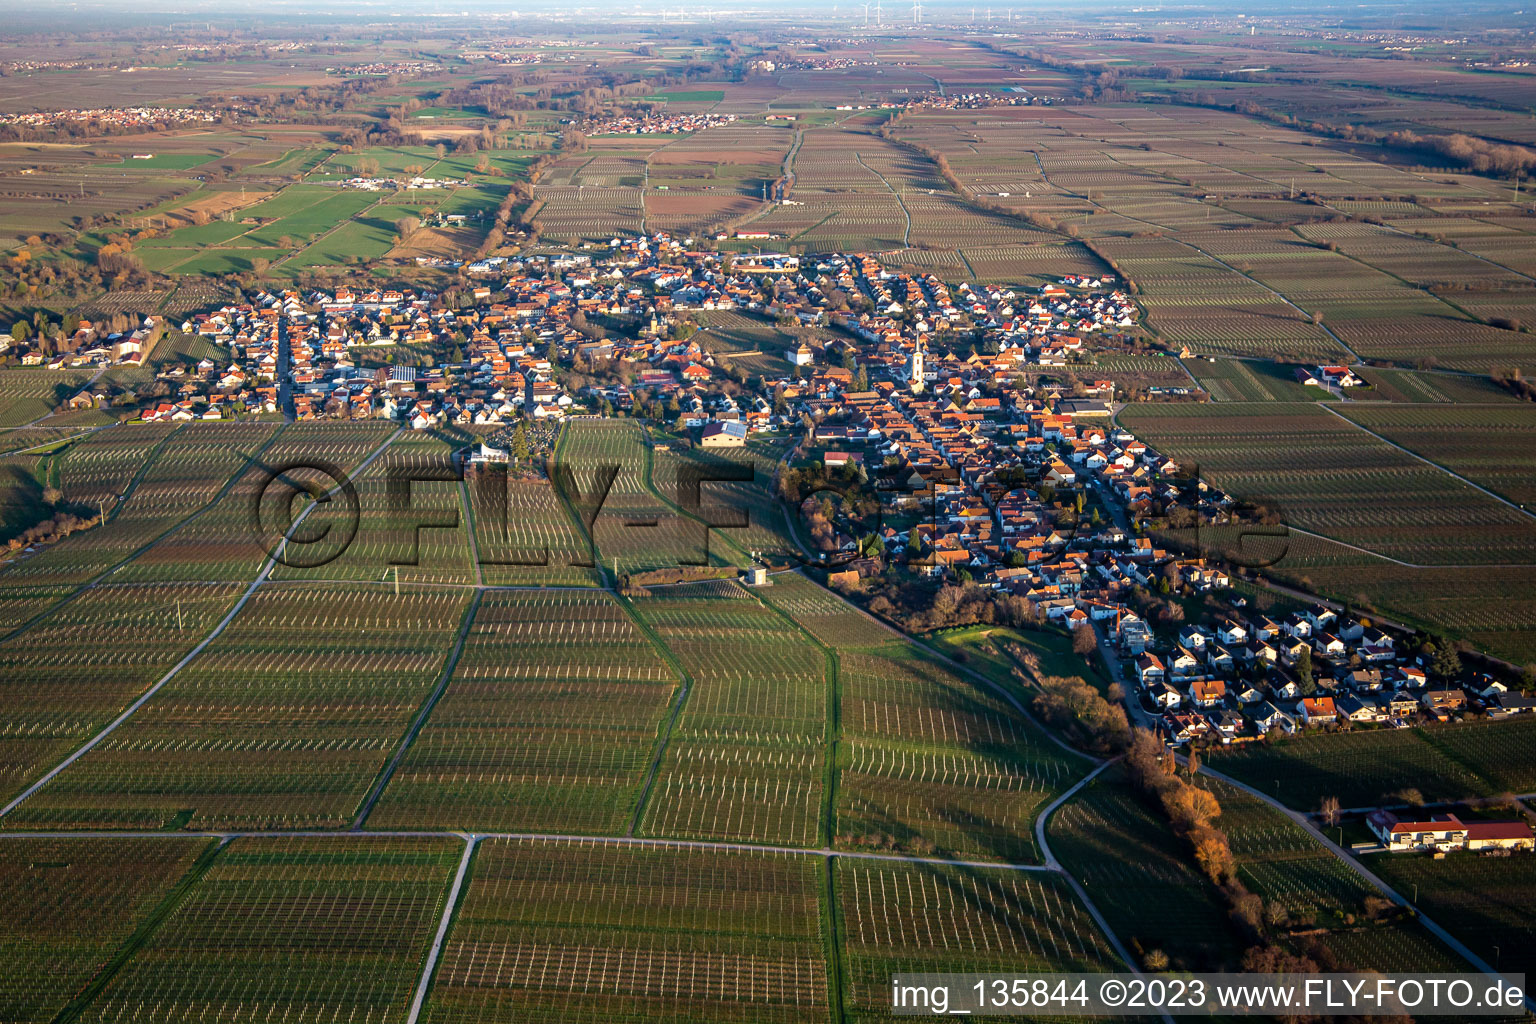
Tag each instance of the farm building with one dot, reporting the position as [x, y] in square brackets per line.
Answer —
[1448, 832]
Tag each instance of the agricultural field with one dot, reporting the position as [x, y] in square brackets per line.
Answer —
[1245, 380]
[1492, 608]
[1282, 864]
[746, 758]
[548, 723]
[283, 721]
[745, 514]
[149, 482]
[1444, 762]
[594, 932]
[634, 526]
[1136, 873]
[83, 662]
[828, 618]
[1483, 901]
[418, 533]
[1132, 373]
[521, 749]
[1494, 446]
[930, 761]
[29, 393]
[1324, 475]
[323, 928]
[223, 542]
[1410, 386]
[525, 533]
[922, 917]
[70, 904]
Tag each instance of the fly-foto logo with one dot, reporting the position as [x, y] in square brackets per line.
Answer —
[307, 513]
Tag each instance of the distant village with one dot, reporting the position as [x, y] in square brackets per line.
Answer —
[115, 117]
[655, 124]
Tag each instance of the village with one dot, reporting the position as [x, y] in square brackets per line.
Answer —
[995, 461]
[112, 117]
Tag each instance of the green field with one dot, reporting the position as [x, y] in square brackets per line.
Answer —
[1447, 762]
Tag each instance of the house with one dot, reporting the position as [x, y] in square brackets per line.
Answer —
[1356, 710]
[1207, 693]
[1232, 632]
[1266, 717]
[1317, 710]
[1227, 724]
[727, 434]
[1165, 696]
[1150, 669]
[1445, 832]
[1400, 704]
[1441, 703]
[1247, 693]
[1183, 663]
[1515, 704]
[1183, 727]
[1367, 680]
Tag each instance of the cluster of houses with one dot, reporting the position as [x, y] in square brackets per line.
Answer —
[412, 184]
[114, 117]
[655, 124]
[91, 346]
[1247, 676]
[1043, 329]
[976, 100]
[403, 68]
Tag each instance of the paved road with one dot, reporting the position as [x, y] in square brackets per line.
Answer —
[1082, 894]
[449, 904]
[560, 837]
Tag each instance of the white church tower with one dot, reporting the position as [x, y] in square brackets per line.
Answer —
[915, 367]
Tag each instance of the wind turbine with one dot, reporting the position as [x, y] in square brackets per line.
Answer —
[866, 14]
[917, 12]
[878, 12]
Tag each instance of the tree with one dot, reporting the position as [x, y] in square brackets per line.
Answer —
[520, 443]
[1447, 661]
[21, 331]
[1303, 667]
[1212, 854]
[405, 227]
[1330, 810]
[1084, 641]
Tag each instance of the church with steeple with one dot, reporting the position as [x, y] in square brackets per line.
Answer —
[915, 366]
